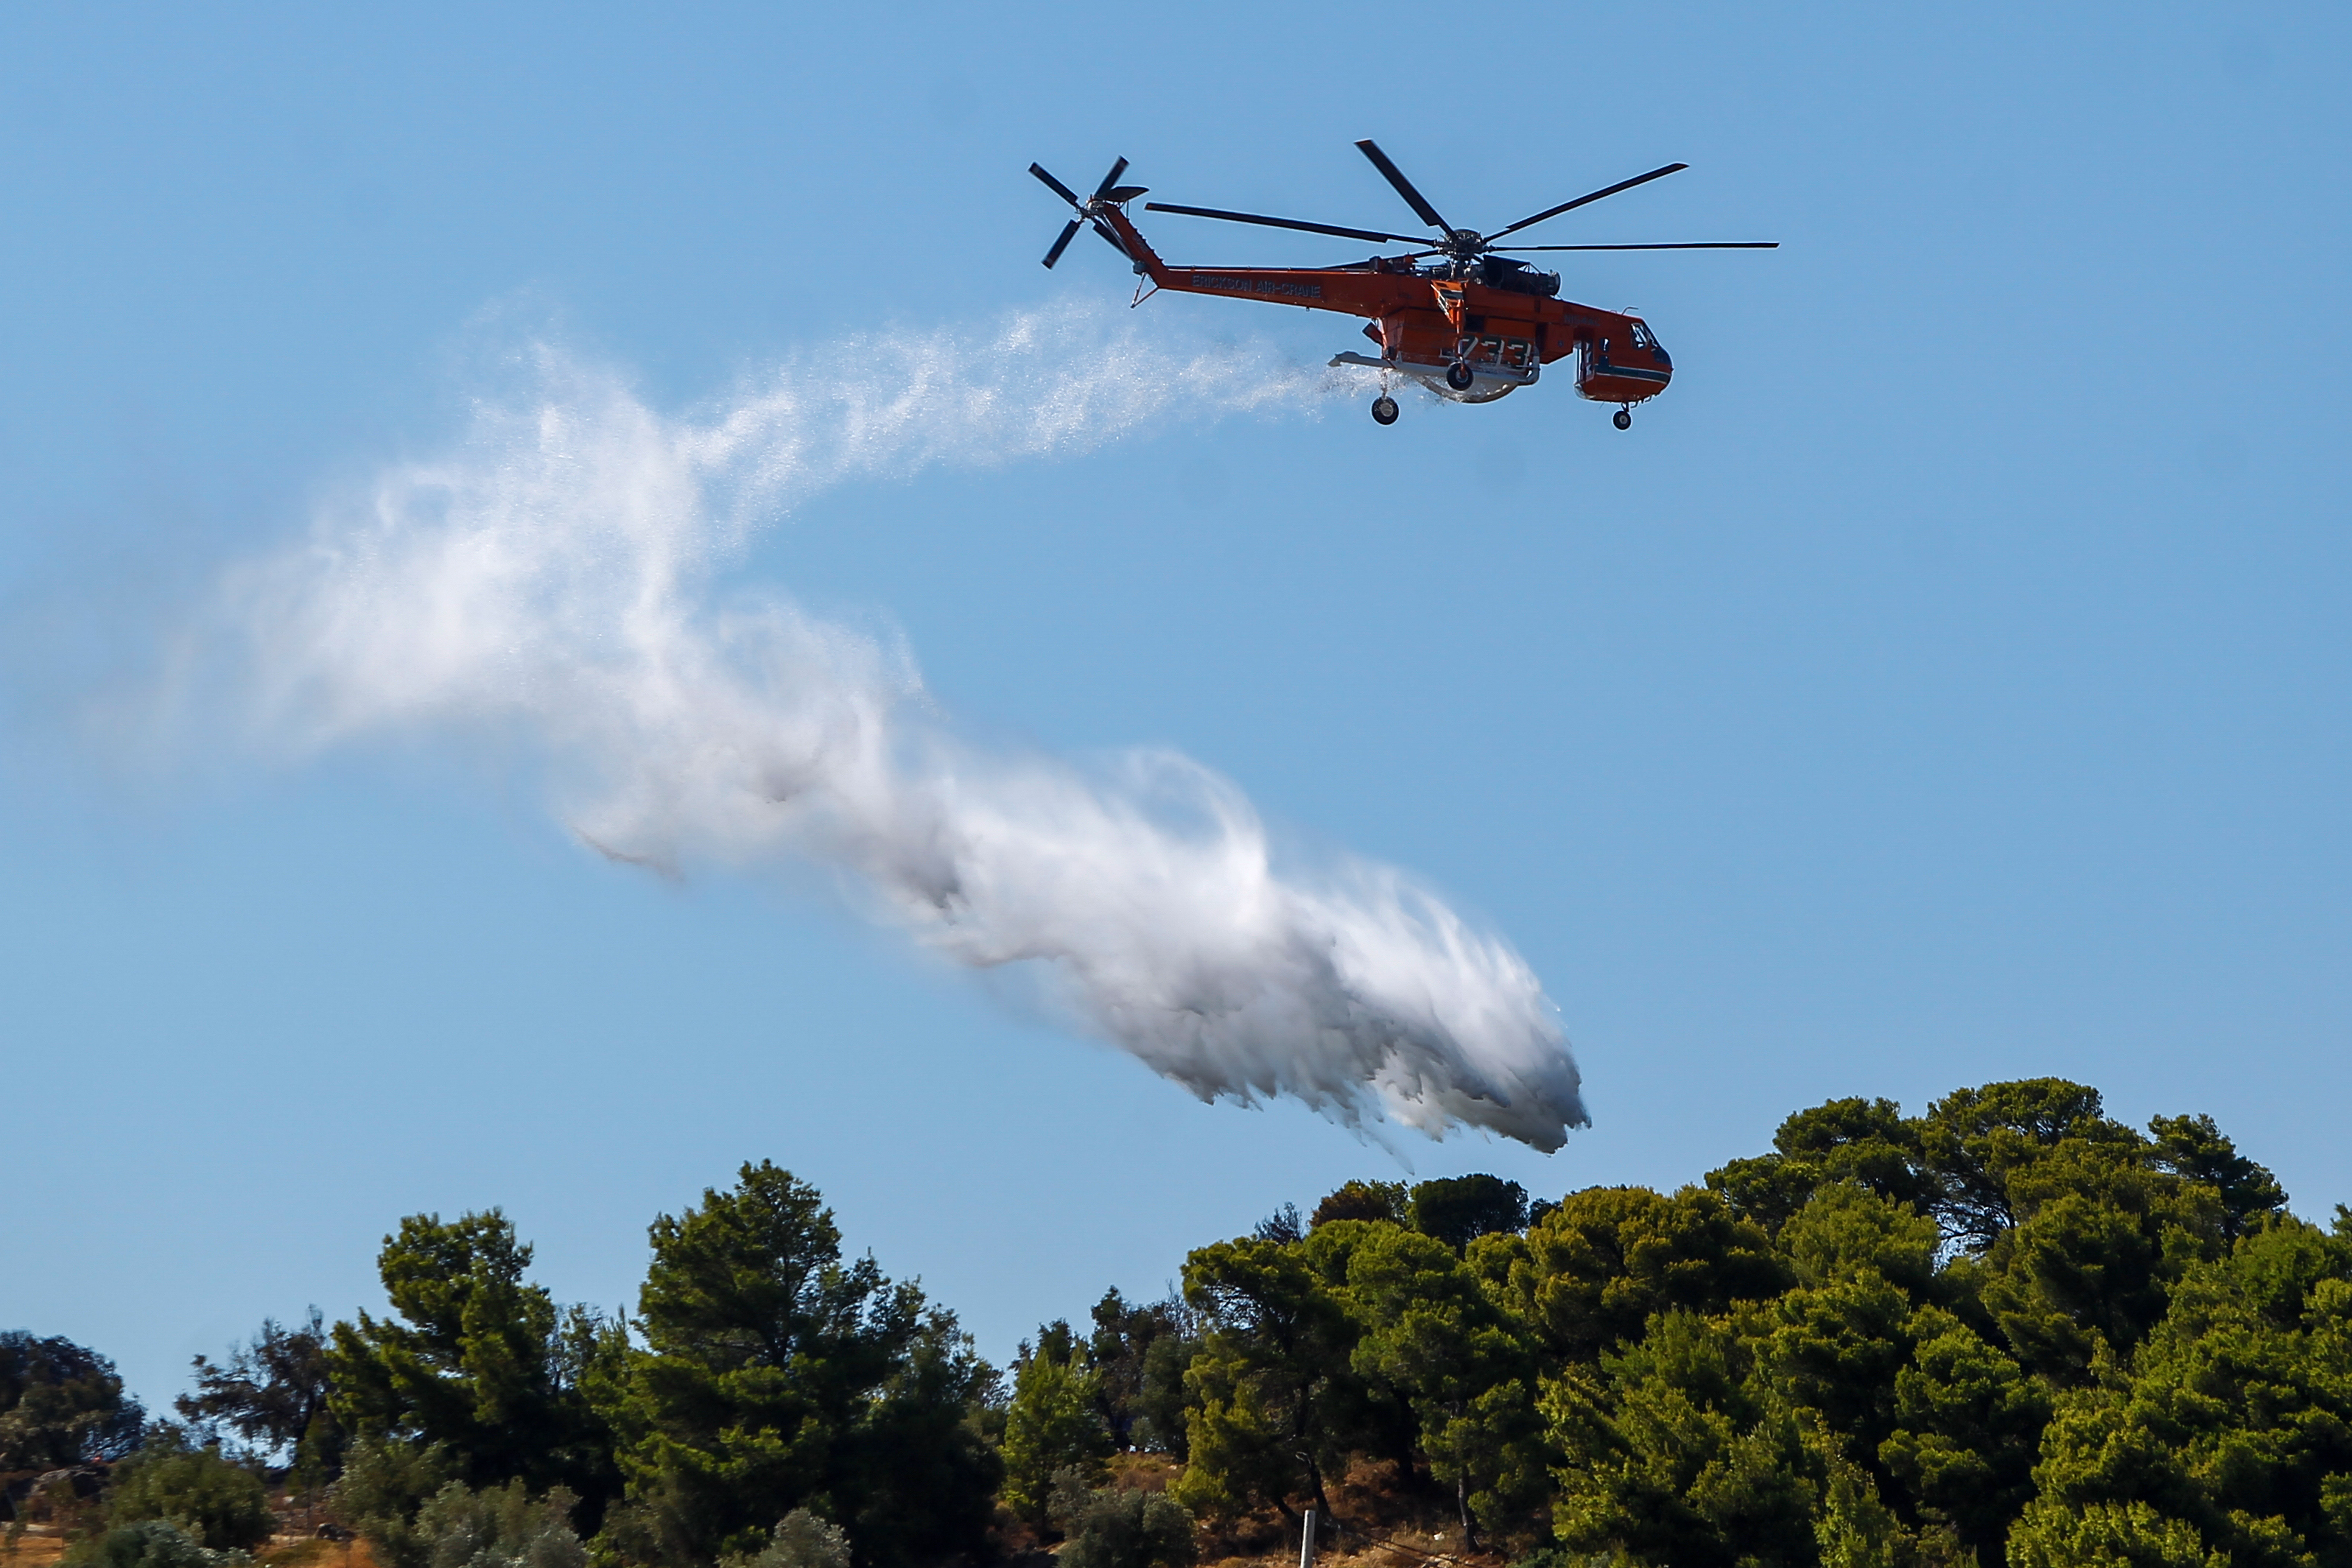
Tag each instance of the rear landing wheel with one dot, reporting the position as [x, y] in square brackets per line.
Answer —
[1458, 376]
[1623, 419]
[1384, 409]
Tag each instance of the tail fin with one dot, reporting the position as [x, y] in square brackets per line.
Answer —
[1113, 225]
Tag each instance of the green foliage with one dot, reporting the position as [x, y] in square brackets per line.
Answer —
[1863, 1141]
[1364, 1200]
[2194, 1148]
[1271, 1386]
[801, 1539]
[479, 1361]
[402, 1498]
[498, 1527]
[1162, 1405]
[1674, 1455]
[60, 1404]
[1846, 1351]
[2232, 1439]
[2008, 1332]
[1597, 1268]
[223, 1505]
[2108, 1535]
[1976, 1143]
[384, 1484]
[1139, 1354]
[150, 1543]
[1464, 1368]
[273, 1393]
[1117, 1528]
[1847, 1231]
[1053, 1424]
[1457, 1210]
[2012, 1327]
[774, 1376]
[1968, 1420]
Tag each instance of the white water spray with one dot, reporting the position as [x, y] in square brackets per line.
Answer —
[551, 579]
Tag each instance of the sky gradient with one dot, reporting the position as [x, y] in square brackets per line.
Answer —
[1945, 681]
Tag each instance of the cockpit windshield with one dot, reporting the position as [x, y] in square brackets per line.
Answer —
[1642, 338]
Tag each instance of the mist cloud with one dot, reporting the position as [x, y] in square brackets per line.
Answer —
[550, 582]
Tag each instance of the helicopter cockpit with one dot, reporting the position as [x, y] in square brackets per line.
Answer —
[1647, 341]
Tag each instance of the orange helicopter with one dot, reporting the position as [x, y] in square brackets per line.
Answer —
[1463, 318]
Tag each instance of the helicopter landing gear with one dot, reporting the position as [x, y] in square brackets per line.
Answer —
[1458, 376]
[1384, 409]
[1623, 419]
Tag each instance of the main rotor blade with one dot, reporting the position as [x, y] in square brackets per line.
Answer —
[1684, 245]
[1288, 223]
[1110, 179]
[1063, 244]
[1414, 199]
[1055, 185]
[1593, 197]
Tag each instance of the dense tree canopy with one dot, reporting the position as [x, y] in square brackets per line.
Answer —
[774, 1376]
[1055, 1424]
[479, 1363]
[1271, 1389]
[1460, 1209]
[2010, 1331]
[2010, 1326]
[60, 1404]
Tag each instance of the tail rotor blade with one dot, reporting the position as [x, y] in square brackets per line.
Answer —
[1110, 189]
[1058, 188]
[1395, 176]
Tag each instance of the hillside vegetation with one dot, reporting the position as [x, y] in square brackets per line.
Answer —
[2008, 1330]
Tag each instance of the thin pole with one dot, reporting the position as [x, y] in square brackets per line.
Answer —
[1306, 1542]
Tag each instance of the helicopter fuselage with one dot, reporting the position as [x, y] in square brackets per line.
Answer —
[1428, 320]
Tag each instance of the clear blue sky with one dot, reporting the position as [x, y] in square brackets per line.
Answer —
[1945, 681]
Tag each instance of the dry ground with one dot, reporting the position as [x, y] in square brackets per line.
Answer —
[1377, 1526]
[40, 1545]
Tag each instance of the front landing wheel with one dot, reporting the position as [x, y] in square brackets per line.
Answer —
[1623, 419]
[1384, 409]
[1458, 376]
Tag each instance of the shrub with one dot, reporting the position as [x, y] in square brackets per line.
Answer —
[802, 1541]
[1116, 1528]
[148, 1543]
[383, 1485]
[220, 1502]
[498, 1527]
